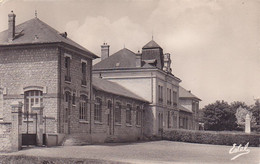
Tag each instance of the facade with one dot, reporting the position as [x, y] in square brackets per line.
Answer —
[41, 67]
[189, 104]
[131, 96]
[149, 75]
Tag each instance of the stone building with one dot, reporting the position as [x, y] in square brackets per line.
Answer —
[149, 75]
[41, 67]
[189, 115]
[131, 96]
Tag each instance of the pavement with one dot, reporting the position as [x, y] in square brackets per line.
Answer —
[148, 152]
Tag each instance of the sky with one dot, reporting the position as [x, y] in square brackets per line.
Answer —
[214, 44]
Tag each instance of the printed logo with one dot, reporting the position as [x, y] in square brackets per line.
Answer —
[239, 150]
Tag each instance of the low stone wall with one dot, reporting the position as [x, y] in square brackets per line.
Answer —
[5, 137]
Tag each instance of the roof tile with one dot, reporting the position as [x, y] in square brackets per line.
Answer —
[112, 87]
[35, 31]
[183, 93]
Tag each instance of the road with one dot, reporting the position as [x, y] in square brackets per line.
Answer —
[149, 152]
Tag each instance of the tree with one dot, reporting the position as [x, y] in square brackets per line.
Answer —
[241, 116]
[256, 111]
[219, 116]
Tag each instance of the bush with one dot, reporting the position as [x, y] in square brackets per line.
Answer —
[212, 137]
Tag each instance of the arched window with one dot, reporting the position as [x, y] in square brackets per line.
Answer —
[118, 112]
[83, 109]
[109, 104]
[31, 98]
[98, 109]
[138, 116]
[128, 114]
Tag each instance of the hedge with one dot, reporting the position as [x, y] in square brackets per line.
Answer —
[212, 137]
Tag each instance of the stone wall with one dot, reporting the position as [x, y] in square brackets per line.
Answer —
[5, 136]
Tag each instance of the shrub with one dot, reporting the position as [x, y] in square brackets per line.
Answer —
[212, 137]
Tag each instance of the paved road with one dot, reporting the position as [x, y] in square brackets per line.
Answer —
[150, 152]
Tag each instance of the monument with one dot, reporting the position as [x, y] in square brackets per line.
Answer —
[247, 124]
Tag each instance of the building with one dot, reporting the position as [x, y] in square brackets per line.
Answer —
[41, 67]
[149, 75]
[131, 96]
[189, 115]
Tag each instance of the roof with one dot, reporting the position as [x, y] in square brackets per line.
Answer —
[182, 108]
[124, 58]
[183, 93]
[35, 28]
[151, 44]
[114, 88]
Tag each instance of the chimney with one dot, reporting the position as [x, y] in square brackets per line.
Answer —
[104, 51]
[11, 26]
[138, 59]
[167, 63]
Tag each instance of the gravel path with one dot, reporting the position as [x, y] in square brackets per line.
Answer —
[148, 152]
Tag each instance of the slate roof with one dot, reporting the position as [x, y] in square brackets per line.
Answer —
[183, 93]
[182, 108]
[124, 58]
[25, 34]
[151, 44]
[114, 88]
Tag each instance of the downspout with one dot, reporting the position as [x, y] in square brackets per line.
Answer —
[90, 95]
[59, 94]
[152, 87]
[113, 108]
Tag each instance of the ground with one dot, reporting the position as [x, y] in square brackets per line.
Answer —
[147, 152]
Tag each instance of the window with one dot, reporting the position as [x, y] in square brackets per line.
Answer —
[67, 67]
[174, 98]
[98, 109]
[83, 109]
[84, 73]
[109, 104]
[74, 99]
[128, 114]
[138, 115]
[160, 122]
[32, 98]
[67, 97]
[109, 107]
[181, 122]
[169, 96]
[160, 93]
[168, 120]
[193, 106]
[118, 113]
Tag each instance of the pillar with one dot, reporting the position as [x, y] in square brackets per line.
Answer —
[16, 135]
[38, 109]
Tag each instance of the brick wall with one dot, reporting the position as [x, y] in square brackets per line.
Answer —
[123, 131]
[26, 66]
[73, 87]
